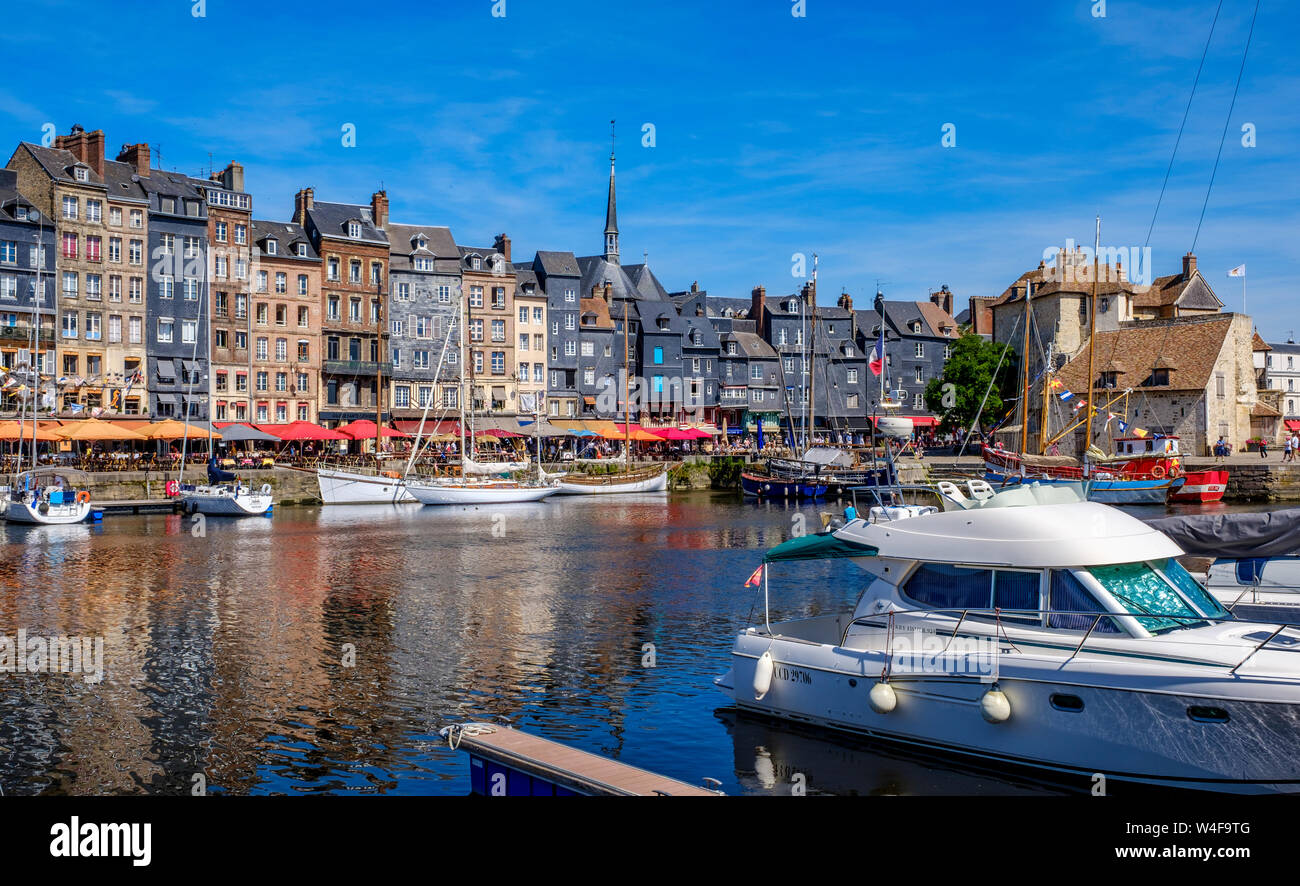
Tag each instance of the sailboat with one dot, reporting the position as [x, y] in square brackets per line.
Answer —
[41, 496]
[651, 479]
[1145, 478]
[466, 491]
[223, 495]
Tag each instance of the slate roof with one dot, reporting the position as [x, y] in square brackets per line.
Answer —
[709, 336]
[57, 161]
[716, 306]
[438, 240]
[751, 345]
[557, 264]
[287, 235]
[331, 220]
[596, 271]
[121, 182]
[647, 284]
[1187, 346]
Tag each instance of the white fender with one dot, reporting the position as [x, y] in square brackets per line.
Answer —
[763, 675]
[995, 706]
[883, 698]
[266, 488]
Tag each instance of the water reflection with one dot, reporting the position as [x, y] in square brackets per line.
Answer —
[320, 650]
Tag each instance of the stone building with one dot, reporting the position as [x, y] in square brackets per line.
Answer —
[530, 341]
[488, 279]
[1193, 377]
[423, 308]
[560, 279]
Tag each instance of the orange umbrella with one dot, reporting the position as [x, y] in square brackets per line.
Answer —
[94, 429]
[12, 430]
[171, 429]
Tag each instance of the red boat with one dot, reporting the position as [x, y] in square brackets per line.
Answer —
[1202, 486]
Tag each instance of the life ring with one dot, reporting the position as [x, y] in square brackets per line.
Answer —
[83, 497]
[1174, 471]
[1158, 472]
[172, 489]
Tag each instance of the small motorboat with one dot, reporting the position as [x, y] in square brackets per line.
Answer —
[224, 495]
[46, 497]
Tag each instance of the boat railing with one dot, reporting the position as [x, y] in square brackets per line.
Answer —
[895, 492]
[1004, 618]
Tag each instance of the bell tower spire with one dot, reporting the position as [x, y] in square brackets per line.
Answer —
[611, 208]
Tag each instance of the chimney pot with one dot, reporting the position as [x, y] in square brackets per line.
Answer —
[137, 157]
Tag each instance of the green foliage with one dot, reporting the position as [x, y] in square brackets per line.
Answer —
[968, 371]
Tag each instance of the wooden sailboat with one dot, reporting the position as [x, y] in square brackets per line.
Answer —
[650, 479]
[1119, 480]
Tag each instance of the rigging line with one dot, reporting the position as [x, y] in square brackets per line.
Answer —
[992, 381]
[1226, 121]
[1186, 111]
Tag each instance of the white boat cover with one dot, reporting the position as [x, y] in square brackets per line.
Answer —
[828, 455]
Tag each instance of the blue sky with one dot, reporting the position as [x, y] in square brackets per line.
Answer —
[774, 134]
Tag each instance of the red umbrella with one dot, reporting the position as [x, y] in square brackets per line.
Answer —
[672, 434]
[498, 433]
[698, 434]
[302, 430]
[364, 429]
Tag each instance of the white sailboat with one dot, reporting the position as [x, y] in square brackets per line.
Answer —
[651, 479]
[465, 491]
[1037, 629]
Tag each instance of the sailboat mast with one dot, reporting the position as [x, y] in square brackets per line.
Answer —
[812, 354]
[1092, 333]
[1024, 387]
[627, 403]
[461, 387]
[379, 363]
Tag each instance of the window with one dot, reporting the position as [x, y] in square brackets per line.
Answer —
[419, 359]
[241, 340]
[261, 281]
[947, 351]
[69, 245]
[281, 350]
[523, 341]
[70, 284]
[9, 290]
[376, 273]
[190, 288]
[588, 348]
[281, 282]
[499, 298]
[920, 349]
[1140, 589]
[302, 284]
[851, 401]
[476, 296]
[354, 310]
[569, 322]
[333, 265]
[135, 330]
[354, 229]
[263, 380]
[851, 376]
[282, 382]
[570, 348]
[659, 356]
[523, 316]
[476, 330]
[137, 218]
[221, 232]
[498, 362]
[69, 324]
[115, 250]
[93, 248]
[262, 347]
[165, 327]
[354, 271]
[241, 235]
[444, 294]
[918, 400]
[756, 372]
[1159, 377]
[332, 308]
[189, 331]
[1220, 385]
[262, 313]
[498, 330]
[920, 375]
[304, 354]
[135, 253]
[115, 216]
[70, 205]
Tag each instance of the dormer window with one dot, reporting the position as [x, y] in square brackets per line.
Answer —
[916, 327]
[422, 264]
[1159, 377]
[1109, 379]
[271, 247]
[662, 322]
[422, 243]
[354, 229]
[302, 250]
[793, 307]
[476, 263]
[81, 174]
[498, 265]
[731, 347]
[697, 339]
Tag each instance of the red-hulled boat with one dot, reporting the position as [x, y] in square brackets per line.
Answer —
[1202, 486]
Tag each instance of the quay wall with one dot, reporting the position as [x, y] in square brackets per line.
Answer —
[289, 487]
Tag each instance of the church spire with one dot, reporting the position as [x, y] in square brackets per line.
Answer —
[611, 209]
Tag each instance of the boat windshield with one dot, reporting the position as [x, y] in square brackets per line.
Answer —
[1152, 590]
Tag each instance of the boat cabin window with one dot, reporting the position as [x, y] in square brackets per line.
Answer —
[942, 586]
[1066, 595]
[1191, 588]
[1144, 591]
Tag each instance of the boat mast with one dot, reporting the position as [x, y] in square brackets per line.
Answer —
[1042, 424]
[419, 433]
[1024, 387]
[627, 403]
[1092, 334]
[812, 355]
[460, 388]
[379, 363]
[189, 391]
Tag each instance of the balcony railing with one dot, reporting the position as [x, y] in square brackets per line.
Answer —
[356, 367]
[23, 333]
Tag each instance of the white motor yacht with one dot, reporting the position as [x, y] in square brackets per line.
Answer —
[1035, 628]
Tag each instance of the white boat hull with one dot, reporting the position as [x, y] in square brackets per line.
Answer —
[56, 515]
[225, 501]
[347, 488]
[657, 483]
[1141, 732]
[474, 494]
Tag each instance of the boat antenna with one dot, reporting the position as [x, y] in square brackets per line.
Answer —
[1092, 335]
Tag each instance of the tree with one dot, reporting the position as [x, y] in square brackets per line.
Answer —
[956, 395]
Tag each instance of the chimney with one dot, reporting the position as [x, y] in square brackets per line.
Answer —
[809, 293]
[379, 210]
[303, 201]
[757, 302]
[502, 245]
[136, 156]
[232, 177]
[1189, 266]
[695, 286]
[88, 147]
[609, 293]
[845, 301]
[9, 179]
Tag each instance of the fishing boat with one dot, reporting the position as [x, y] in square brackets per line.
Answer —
[755, 485]
[1032, 627]
[1129, 477]
[46, 497]
[340, 487]
[1201, 487]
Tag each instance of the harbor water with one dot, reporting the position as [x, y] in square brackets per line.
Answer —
[321, 649]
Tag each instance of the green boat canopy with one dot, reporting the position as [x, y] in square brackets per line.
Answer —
[823, 546]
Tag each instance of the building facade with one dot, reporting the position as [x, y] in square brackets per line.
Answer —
[488, 279]
[354, 254]
[423, 309]
[27, 320]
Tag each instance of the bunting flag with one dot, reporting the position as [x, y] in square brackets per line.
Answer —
[1122, 425]
[1139, 432]
[97, 412]
[1110, 417]
[1066, 395]
[75, 408]
[1055, 384]
[1080, 404]
[756, 579]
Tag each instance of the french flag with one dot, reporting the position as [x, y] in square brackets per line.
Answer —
[877, 364]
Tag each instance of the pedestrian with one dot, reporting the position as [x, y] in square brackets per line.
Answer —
[1263, 448]
[1286, 450]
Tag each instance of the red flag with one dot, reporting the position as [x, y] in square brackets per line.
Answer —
[756, 578]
